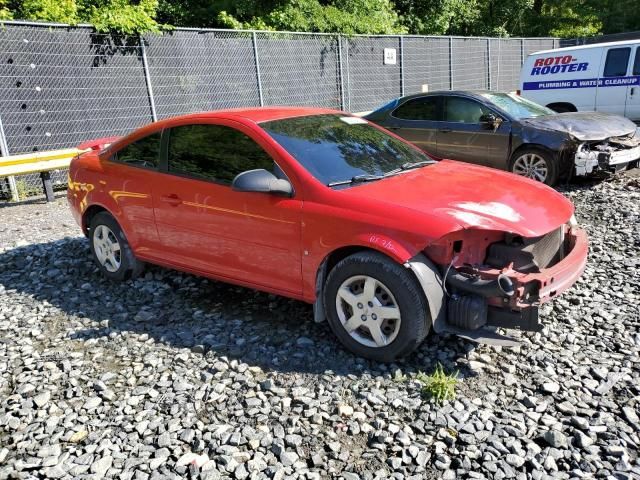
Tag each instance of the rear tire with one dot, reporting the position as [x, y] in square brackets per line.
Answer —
[536, 164]
[376, 307]
[111, 250]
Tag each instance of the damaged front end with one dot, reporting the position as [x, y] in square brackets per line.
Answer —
[492, 279]
[611, 154]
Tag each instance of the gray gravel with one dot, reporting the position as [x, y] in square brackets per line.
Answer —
[173, 376]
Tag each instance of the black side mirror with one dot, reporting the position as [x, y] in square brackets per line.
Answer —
[261, 181]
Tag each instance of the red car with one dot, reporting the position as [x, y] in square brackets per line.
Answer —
[327, 208]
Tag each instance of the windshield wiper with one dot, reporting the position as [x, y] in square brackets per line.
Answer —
[356, 179]
[409, 166]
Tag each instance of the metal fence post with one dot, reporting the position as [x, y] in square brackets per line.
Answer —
[450, 63]
[4, 152]
[401, 66]
[257, 61]
[489, 63]
[147, 78]
[348, 90]
[340, 73]
[521, 51]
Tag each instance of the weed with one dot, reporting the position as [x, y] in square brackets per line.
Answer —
[439, 385]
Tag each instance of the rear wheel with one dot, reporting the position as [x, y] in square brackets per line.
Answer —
[376, 307]
[536, 164]
[110, 248]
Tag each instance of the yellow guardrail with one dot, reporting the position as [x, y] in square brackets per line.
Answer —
[36, 162]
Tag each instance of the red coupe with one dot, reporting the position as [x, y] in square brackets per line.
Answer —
[325, 207]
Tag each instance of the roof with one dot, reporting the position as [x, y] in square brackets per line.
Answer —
[591, 45]
[259, 114]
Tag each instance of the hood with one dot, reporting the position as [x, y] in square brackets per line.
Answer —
[473, 197]
[584, 125]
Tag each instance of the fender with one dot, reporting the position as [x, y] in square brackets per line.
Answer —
[433, 287]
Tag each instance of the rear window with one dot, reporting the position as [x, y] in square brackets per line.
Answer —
[141, 153]
[617, 61]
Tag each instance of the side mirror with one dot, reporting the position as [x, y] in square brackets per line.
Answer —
[261, 181]
[490, 120]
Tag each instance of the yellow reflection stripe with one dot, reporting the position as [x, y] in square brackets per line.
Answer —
[237, 212]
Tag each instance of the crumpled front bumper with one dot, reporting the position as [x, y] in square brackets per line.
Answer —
[587, 160]
[468, 314]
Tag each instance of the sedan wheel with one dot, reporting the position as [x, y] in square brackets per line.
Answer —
[531, 165]
[110, 248]
[376, 307]
[368, 311]
[107, 248]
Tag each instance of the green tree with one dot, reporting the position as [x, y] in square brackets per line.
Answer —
[5, 12]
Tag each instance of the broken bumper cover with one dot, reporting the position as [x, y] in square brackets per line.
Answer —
[469, 314]
[587, 160]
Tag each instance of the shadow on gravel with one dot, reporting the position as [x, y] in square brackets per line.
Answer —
[188, 312]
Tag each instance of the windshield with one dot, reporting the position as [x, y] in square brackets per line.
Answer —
[335, 148]
[516, 106]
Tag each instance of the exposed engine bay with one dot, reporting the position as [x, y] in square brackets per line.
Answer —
[611, 154]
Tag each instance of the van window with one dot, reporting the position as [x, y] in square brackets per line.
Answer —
[636, 63]
[617, 61]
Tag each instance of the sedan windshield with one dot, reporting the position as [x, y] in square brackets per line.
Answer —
[516, 106]
[338, 149]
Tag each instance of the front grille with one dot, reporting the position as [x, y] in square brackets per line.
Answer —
[527, 254]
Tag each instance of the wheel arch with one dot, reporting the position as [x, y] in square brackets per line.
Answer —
[561, 107]
[89, 214]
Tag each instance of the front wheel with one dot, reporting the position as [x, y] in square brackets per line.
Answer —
[376, 307]
[536, 164]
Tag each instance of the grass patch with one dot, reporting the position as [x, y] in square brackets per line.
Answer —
[439, 385]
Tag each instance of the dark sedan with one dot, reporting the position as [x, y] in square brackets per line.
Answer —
[506, 131]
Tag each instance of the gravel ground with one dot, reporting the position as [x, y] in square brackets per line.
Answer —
[173, 376]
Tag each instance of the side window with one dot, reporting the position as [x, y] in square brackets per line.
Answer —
[214, 152]
[617, 61]
[636, 63]
[423, 108]
[142, 153]
[463, 110]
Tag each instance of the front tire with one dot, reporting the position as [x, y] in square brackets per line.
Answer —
[376, 307]
[536, 164]
[111, 250]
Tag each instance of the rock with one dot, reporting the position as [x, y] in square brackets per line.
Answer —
[550, 387]
[288, 458]
[92, 403]
[42, 399]
[555, 439]
[345, 410]
[101, 466]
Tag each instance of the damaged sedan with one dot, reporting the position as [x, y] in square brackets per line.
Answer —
[327, 208]
[506, 131]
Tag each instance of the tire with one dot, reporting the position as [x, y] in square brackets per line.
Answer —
[394, 288]
[110, 249]
[529, 162]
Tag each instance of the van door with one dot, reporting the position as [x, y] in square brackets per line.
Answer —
[632, 108]
[613, 83]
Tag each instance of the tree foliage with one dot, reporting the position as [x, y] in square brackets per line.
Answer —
[564, 18]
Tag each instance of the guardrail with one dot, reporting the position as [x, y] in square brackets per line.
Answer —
[37, 162]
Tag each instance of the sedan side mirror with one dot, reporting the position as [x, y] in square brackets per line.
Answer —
[490, 120]
[261, 181]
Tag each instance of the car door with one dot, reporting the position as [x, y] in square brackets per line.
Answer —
[632, 104]
[416, 120]
[252, 238]
[128, 176]
[611, 95]
[463, 136]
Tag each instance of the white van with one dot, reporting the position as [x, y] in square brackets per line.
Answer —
[603, 77]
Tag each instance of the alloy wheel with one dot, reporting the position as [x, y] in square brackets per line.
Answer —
[368, 311]
[532, 166]
[107, 248]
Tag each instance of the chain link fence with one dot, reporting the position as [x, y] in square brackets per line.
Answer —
[61, 85]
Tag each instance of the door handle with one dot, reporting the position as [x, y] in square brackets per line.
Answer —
[445, 130]
[171, 199]
[633, 90]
